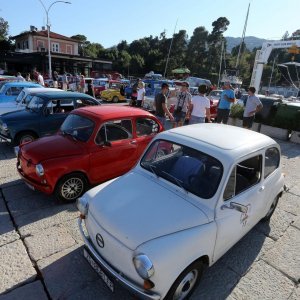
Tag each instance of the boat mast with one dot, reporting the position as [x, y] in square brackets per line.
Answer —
[170, 49]
[243, 38]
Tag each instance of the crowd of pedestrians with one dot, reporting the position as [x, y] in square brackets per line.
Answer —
[196, 109]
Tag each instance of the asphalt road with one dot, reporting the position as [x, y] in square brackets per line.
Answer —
[41, 249]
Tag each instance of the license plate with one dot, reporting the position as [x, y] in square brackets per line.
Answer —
[100, 272]
[30, 186]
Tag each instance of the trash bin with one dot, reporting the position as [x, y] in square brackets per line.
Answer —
[288, 116]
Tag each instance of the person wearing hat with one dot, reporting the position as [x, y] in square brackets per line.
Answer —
[253, 105]
[227, 97]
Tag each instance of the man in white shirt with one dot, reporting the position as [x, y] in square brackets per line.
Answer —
[253, 105]
[40, 79]
[200, 106]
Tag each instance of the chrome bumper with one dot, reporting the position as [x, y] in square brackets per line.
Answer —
[118, 277]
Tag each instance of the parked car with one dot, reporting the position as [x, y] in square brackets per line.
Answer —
[10, 90]
[99, 85]
[93, 145]
[113, 92]
[214, 97]
[43, 116]
[157, 227]
[23, 99]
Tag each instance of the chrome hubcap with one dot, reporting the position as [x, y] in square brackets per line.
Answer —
[72, 188]
[186, 285]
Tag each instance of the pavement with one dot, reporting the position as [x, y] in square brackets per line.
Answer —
[41, 249]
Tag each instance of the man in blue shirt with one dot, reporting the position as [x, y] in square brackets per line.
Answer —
[227, 97]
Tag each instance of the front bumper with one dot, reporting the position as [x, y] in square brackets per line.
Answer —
[33, 184]
[5, 138]
[141, 293]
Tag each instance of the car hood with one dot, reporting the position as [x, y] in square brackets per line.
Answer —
[49, 147]
[15, 116]
[135, 209]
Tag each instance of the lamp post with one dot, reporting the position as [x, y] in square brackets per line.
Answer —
[48, 29]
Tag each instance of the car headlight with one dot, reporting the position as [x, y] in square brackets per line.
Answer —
[83, 206]
[16, 150]
[143, 266]
[39, 170]
[4, 127]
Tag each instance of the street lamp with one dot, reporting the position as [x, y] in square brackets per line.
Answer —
[48, 29]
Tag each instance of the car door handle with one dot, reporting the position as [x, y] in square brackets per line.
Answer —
[133, 142]
[262, 188]
[236, 206]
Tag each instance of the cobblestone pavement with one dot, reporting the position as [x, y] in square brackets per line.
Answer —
[41, 249]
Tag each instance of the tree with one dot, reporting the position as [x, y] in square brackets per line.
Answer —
[3, 29]
[196, 53]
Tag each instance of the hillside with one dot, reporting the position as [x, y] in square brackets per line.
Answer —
[251, 42]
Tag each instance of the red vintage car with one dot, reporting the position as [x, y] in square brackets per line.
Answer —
[94, 144]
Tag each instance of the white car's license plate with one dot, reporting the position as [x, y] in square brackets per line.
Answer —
[30, 186]
[100, 272]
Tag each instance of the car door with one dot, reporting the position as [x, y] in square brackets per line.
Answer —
[241, 205]
[114, 151]
[54, 113]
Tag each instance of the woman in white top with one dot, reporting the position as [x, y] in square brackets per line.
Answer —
[200, 107]
[140, 94]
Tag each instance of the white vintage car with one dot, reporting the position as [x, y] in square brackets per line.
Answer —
[195, 192]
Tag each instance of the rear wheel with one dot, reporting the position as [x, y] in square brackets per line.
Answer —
[271, 210]
[187, 281]
[70, 187]
[25, 137]
[115, 99]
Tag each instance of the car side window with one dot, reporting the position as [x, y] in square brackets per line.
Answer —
[114, 131]
[146, 126]
[272, 160]
[13, 91]
[244, 175]
[83, 102]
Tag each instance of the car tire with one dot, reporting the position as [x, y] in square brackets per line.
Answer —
[186, 282]
[115, 99]
[71, 187]
[25, 137]
[273, 206]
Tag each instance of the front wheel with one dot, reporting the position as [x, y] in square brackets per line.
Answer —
[71, 187]
[115, 99]
[25, 137]
[271, 210]
[187, 281]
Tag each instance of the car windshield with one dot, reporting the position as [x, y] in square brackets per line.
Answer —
[188, 168]
[78, 127]
[35, 104]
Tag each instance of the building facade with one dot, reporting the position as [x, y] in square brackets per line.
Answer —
[31, 53]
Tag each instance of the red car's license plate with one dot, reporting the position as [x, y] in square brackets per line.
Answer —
[100, 272]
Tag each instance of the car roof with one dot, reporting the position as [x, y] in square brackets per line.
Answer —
[39, 89]
[64, 94]
[222, 138]
[22, 83]
[111, 111]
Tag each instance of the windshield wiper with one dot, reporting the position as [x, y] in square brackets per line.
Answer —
[178, 181]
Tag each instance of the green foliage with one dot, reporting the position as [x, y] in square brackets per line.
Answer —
[3, 29]
[236, 111]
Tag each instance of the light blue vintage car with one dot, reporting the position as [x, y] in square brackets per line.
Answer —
[10, 90]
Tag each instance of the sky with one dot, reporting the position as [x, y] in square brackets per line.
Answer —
[111, 21]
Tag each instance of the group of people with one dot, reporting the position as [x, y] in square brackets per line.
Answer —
[196, 109]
